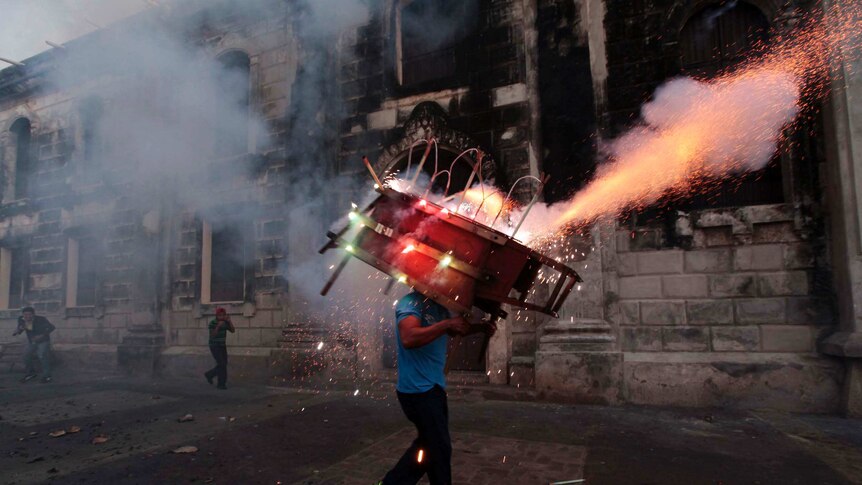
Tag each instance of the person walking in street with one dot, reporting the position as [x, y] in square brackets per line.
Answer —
[421, 331]
[218, 329]
[38, 330]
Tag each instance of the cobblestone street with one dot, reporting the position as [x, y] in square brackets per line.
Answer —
[477, 459]
[258, 434]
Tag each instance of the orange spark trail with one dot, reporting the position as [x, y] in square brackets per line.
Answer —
[698, 129]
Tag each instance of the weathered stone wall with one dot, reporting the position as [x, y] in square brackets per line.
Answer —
[733, 319]
[56, 207]
[488, 101]
[712, 307]
[717, 307]
[271, 46]
[137, 284]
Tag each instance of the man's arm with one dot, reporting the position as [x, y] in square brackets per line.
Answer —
[414, 335]
[214, 330]
[230, 326]
[20, 327]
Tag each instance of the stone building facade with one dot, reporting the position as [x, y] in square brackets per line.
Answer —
[741, 298]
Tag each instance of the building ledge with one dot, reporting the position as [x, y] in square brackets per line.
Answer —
[231, 350]
[783, 358]
[842, 344]
[64, 347]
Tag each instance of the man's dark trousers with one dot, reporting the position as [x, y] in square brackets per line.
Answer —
[220, 370]
[430, 413]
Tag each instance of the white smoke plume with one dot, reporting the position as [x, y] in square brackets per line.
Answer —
[690, 131]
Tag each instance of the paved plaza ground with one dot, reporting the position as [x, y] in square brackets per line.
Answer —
[258, 434]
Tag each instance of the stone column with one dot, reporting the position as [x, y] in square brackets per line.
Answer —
[578, 358]
[843, 120]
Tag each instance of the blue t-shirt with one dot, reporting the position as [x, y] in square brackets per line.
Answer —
[420, 368]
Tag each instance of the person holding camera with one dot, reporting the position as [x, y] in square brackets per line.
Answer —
[218, 329]
[38, 330]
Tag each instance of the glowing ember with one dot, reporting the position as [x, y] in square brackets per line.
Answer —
[409, 248]
[349, 248]
[319, 345]
[402, 279]
[420, 456]
[356, 392]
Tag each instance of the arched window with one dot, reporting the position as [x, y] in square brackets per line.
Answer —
[21, 131]
[233, 104]
[715, 38]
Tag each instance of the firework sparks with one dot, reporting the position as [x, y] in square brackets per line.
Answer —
[694, 130]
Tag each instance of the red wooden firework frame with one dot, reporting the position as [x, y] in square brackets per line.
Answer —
[449, 258]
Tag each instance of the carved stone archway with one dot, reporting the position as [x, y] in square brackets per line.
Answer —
[428, 120]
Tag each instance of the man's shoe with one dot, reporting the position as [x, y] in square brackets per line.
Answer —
[28, 377]
[209, 378]
[46, 379]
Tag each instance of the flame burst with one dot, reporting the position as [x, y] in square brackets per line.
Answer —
[694, 130]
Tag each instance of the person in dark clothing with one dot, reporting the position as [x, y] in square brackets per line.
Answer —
[421, 330]
[218, 329]
[38, 330]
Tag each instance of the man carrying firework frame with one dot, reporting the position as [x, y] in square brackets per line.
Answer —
[422, 328]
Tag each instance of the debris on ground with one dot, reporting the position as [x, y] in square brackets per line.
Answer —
[57, 434]
[37, 459]
[186, 418]
[186, 449]
[73, 429]
[99, 439]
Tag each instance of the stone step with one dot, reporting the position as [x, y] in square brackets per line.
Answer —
[148, 340]
[577, 338]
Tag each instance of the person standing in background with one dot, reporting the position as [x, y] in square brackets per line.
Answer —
[218, 329]
[38, 330]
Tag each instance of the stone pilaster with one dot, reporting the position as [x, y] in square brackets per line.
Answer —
[843, 123]
[578, 358]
